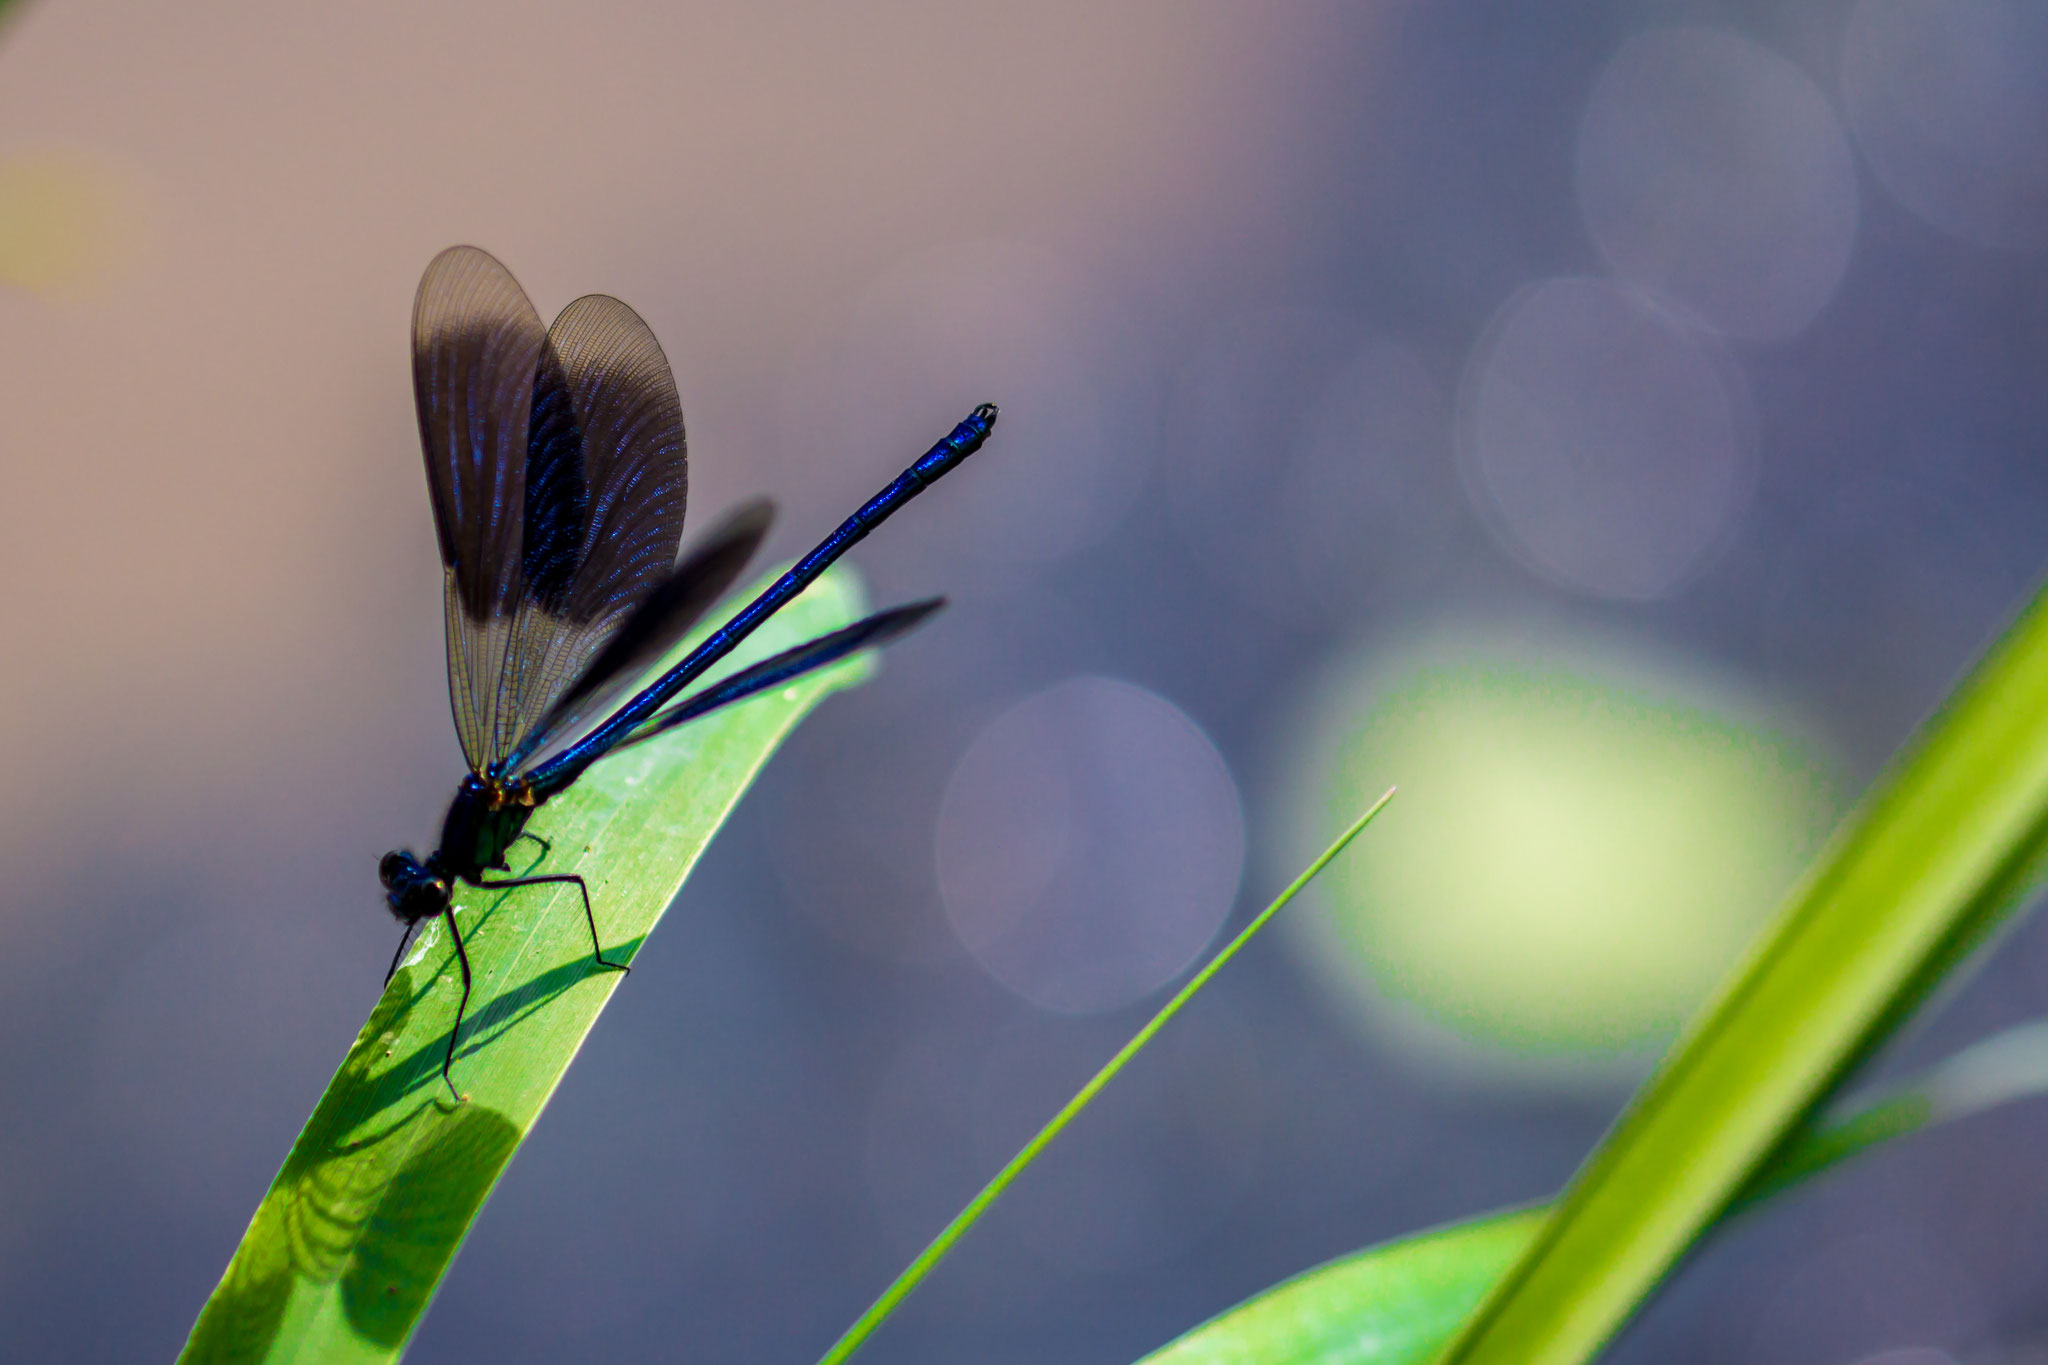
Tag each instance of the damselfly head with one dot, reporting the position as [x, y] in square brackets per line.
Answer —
[412, 891]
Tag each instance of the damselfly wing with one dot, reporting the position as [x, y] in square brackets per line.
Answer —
[558, 474]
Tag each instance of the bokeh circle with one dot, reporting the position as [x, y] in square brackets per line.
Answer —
[1949, 102]
[1610, 448]
[1713, 175]
[1089, 845]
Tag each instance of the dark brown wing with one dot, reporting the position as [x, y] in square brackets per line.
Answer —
[664, 616]
[476, 342]
[607, 482]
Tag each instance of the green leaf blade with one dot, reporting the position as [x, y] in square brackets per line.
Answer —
[1939, 856]
[1393, 1304]
[348, 1247]
[942, 1245]
[1402, 1301]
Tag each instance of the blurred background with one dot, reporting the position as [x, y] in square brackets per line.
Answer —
[1618, 424]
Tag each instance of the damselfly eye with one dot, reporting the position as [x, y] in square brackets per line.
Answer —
[395, 867]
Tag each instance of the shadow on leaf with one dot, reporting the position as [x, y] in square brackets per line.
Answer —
[379, 1207]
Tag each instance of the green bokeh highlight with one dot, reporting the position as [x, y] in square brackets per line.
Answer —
[1574, 860]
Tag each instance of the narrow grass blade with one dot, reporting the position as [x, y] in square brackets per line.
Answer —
[349, 1245]
[928, 1259]
[1400, 1303]
[1938, 855]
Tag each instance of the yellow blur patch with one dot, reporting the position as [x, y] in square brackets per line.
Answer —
[1574, 860]
[68, 223]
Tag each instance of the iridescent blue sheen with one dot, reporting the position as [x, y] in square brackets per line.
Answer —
[555, 459]
[962, 441]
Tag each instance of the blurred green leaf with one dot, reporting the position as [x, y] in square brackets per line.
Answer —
[1387, 1305]
[349, 1245]
[1940, 852]
[1401, 1302]
[1640, 824]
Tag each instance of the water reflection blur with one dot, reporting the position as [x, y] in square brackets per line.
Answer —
[1880, 1287]
[1223, 267]
[1307, 470]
